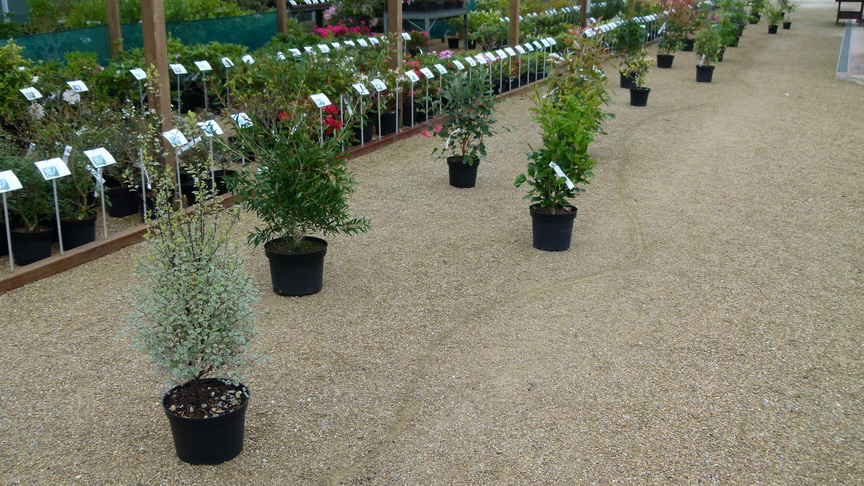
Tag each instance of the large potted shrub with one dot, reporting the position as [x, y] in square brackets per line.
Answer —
[570, 117]
[296, 182]
[470, 105]
[707, 47]
[193, 314]
[31, 210]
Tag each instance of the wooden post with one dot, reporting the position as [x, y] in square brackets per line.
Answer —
[394, 26]
[514, 23]
[281, 17]
[583, 13]
[156, 55]
[115, 35]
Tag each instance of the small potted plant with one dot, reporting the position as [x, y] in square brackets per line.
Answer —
[628, 38]
[774, 14]
[669, 45]
[31, 208]
[756, 7]
[637, 70]
[787, 7]
[193, 313]
[707, 47]
[470, 105]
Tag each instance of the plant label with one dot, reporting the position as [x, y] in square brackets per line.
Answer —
[501, 53]
[441, 69]
[67, 151]
[362, 43]
[248, 59]
[189, 145]
[373, 41]
[242, 120]
[406, 36]
[203, 66]
[100, 157]
[529, 47]
[350, 43]
[336, 45]
[139, 74]
[309, 49]
[175, 137]
[210, 128]
[227, 62]
[307, 2]
[551, 41]
[360, 89]
[379, 85]
[52, 168]
[280, 55]
[427, 72]
[510, 52]
[538, 45]
[520, 49]
[481, 59]
[458, 65]
[490, 56]
[412, 76]
[293, 3]
[321, 100]
[324, 48]
[178, 69]
[9, 181]
[77, 86]
[471, 62]
[561, 173]
[295, 52]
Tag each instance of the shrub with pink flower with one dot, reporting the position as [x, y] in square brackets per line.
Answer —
[445, 54]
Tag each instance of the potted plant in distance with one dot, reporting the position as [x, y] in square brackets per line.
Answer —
[786, 7]
[31, 209]
[756, 7]
[193, 314]
[628, 38]
[669, 45]
[636, 70]
[774, 15]
[470, 105]
[296, 182]
[707, 47]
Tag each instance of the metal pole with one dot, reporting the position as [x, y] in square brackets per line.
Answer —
[104, 214]
[57, 213]
[8, 233]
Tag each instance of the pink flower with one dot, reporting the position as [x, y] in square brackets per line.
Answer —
[438, 128]
[427, 133]
[445, 54]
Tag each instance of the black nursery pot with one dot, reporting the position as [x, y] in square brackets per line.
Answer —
[772, 29]
[639, 96]
[626, 81]
[388, 123]
[664, 61]
[452, 42]
[30, 247]
[704, 74]
[552, 232]
[688, 45]
[366, 133]
[121, 201]
[77, 232]
[297, 274]
[461, 175]
[787, 25]
[419, 116]
[208, 440]
[4, 243]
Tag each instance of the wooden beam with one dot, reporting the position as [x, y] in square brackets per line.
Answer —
[583, 13]
[115, 35]
[394, 27]
[156, 56]
[281, 17]
[514, 23]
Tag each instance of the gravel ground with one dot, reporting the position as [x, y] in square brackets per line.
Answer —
[706, 326]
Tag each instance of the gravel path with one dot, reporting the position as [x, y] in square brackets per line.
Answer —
[706, 326]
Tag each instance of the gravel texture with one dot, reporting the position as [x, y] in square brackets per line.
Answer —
[705, 327]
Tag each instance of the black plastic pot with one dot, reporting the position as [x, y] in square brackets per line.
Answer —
[552, 232]
[419, 116]
[704, 74]
[462, 175]
[221, 180]
[772, 29]
[688, 45]
[78, 232]
[734, 43]
[720, 55]
[208, 440]
[626, 81]
[30, 247]
[388, 123]
[297, 274]
[121, 201]
[366, 133]
[452, 42]
[4, 243]
[787, 25]
[664, 61]
[639, 96]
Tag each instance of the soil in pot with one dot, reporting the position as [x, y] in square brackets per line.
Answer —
[77, 232]
[298, 273]
[208, 421]
[664, 61]
[552, 232]
[30, 247]
[639, 96]
[704, 74]
[461, 175]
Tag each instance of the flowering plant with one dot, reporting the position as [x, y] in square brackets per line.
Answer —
[342, 30]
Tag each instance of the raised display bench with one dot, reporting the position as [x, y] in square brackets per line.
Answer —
[430, 18]
[857, 15]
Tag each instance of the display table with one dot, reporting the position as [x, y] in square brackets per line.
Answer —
[315, 9]
[857, 15]
[426, 20]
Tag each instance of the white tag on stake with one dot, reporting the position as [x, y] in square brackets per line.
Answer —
[561, 173]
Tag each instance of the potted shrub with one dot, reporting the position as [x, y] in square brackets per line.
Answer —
[786, 7]
[470, 106]
[756, 7]
[570, 117]
[636, 70]
[628, 39]
[774, 15]
[31, 210]
[707, 47]
[296, 182]
[669, 45]
[192, 312]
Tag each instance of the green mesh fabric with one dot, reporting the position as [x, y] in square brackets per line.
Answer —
[250, 30]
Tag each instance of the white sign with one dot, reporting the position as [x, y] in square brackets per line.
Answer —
[308, 49]
[412, 76]
[520, 49]
[561, 173]
[471, 61]
[280, 56]
[406, 36]
[324, 48]
[336, 45]
[510, 51]
[295, 52]
[139, 74]
[538, 45]
[31, 93]
[248, 59]
[350, 43]
[360, 89]
[77, 86]
[52, 168]
[210, 128]
[293, 3]
[501, 53]
[175, 137]
[480, 58]
[177, 68]
[99, 157]
[458, 65]
[228, 63]
[546, 43]
[203, 66]
[427, 72]
[242, 120]
[379, 85]
[529, 47]
[441, 69]
[362, 43]
[321, 100]
[9, 182]
[373, 41]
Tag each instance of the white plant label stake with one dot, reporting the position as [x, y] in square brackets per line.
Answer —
[139, 75]
[211, 129]
[101, 158]
[8, 182]
[178, 70]
[321, 100]
[204, 67]
[360, 88]
[561, 173]
[78, 86]
[176, 138]
[429, 75]
[51, 170]
[31, 93]
[379, 87]
[412, 76]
